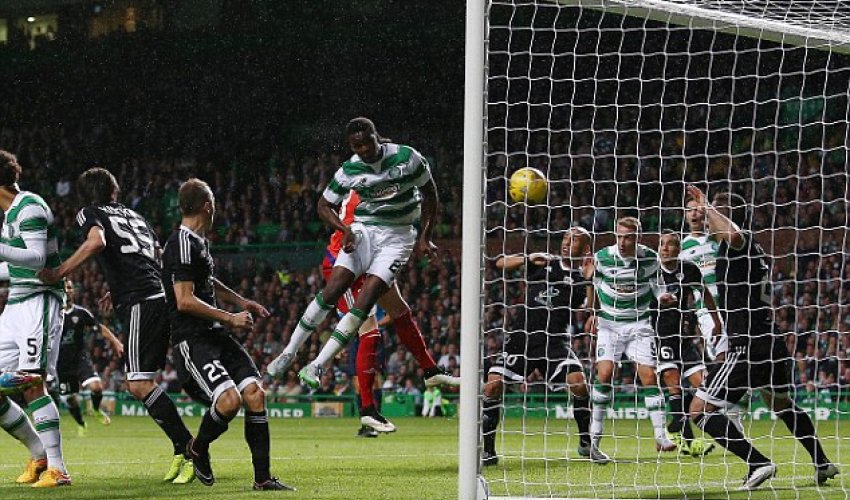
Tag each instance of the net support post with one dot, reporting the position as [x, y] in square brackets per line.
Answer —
[471, 255]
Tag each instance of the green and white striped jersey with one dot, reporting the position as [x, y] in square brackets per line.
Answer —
[388, 189]
[29, 213]
[625, 286]
[702, 251]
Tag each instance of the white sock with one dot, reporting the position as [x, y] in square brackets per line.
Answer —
[347, 327]
[15, 422]
[46, 417]
[316, 312]
[601, 397]
[657, 415]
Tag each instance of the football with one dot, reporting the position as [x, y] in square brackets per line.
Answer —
[528, 185]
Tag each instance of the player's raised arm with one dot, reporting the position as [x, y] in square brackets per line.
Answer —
[512, 262]
[228, 296]
[110, 337]
[721, 226]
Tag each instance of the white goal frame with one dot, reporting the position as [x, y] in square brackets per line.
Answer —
[688, 13]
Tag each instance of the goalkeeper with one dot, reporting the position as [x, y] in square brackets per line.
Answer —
[539, 337]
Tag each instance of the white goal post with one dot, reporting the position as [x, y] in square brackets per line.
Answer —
[822, 25]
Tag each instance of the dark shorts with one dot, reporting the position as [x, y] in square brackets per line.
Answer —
[211, 364]
[681, 353]
[148, 330]
[76, 374]
[745, 369]
[516, 363]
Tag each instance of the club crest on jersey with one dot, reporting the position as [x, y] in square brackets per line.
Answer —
[395, 172]
[75, 320]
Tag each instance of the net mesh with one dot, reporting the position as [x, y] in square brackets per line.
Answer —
[620, 111]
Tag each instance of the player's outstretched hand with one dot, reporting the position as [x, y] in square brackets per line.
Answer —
[697, 194]
[104, 304]
[591, 325]
[49, 275]
[241, 321]
[118, 349]
[667, 300]
[256, 309]
[425, 248]
[349, 240]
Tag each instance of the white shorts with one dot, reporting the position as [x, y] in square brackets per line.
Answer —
[30, 333]
[714, 346]
[380, 251]
[635, 339]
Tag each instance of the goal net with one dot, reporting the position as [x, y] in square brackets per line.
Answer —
[621, 104]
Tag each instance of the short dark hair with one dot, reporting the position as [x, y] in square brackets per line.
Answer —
[10, 169]
[192, 196]
[97, 186]
[674, 234]
[361, 124]
[739, 210]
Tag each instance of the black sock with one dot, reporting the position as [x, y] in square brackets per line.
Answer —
[162, 410]
[492, 413]
[800, 424]
[257, 437]
[213, 425]
[96, 399]
[687, 430]
[77, 414]
[377, 396]
[728, 436]
[677, 413]
[581, 414]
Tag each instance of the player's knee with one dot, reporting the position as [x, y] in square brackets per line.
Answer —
[140, 388]
[698, 408]
[228, 403]
[95, 387]
[254, 398]
[577, 384]
[493, 389]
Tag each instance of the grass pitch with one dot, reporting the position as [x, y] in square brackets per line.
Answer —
[324, 460]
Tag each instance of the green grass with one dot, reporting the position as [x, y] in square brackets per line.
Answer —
[540, 460]
[321, 457]
[325, 461]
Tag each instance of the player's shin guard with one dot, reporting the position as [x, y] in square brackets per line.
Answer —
[581, 414]
[348, 326]
[96, 399]
[492, 413]
[365, 366]
[257, 437]
[800, 424]
[162, 410]
[14, 421]
[316, 312]
[654, 401]
[728, 436]
[411, 337]
[601, 395]
[45, 414]
[213, 425]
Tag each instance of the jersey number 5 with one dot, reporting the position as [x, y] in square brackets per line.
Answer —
[134, 232]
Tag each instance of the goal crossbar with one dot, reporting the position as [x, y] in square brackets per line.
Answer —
[834, 35]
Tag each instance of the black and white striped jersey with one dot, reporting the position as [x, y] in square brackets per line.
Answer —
[130, 259]
[187, 258]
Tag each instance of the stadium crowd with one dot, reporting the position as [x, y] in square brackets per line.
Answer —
[267, 195]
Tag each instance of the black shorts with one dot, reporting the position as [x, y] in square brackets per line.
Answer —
[148, 331]
[515, 365]
[76, 374]
[679, 352]
[209, 365]
[743, 370]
